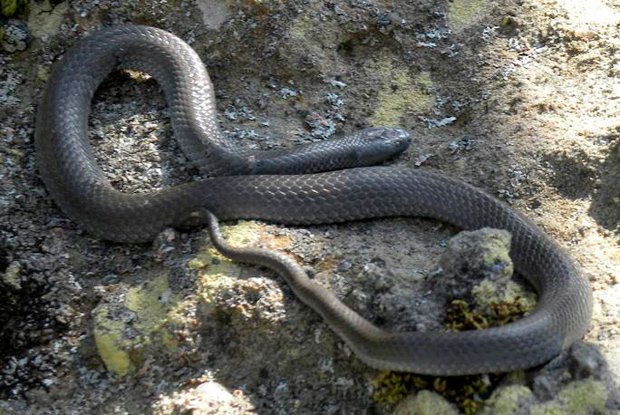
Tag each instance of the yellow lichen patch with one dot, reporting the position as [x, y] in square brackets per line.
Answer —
[400, 94]
[111, 345]
[151, 303]
[464, 13]
[123, 342]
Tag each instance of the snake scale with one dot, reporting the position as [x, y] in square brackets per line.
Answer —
[311, 184]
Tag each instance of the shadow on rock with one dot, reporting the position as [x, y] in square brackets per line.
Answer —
[605, 208]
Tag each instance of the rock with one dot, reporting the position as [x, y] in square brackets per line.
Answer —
[475, 280]
[587, 361]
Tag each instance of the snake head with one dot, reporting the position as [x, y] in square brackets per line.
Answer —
[382, 143]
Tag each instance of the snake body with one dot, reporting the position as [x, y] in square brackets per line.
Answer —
[282, 186]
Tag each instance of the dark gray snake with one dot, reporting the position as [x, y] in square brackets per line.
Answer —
[283, 186]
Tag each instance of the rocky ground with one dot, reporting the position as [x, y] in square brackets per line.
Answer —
[519, 98]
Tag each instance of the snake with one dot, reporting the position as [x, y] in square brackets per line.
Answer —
[322, 182]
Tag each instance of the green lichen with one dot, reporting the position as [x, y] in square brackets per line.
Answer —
[464, 13]
[11, 275]
[507, 400]
[425, 403]
[580, 397]
[400, 94]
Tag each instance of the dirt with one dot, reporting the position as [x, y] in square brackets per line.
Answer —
[521, 99]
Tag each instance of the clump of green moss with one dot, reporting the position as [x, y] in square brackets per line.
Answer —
[13, 8]
[467, 392]
[461, 316]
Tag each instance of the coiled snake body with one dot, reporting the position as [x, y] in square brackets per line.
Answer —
[277, 186]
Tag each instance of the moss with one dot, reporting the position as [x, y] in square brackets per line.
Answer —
[14, 8]
[461, 316]
[466, 392]
[8, 7]
[392, 387]
[400, 94]
[464, 13]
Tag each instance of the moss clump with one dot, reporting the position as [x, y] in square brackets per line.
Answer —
[13, 8]
[392, 387]
[460, 315]
[467, 392]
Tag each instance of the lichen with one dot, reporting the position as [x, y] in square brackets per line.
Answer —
[111, 346]
[579, 397]
[223, 295]
[45, 19]
[151, 304]
[123, 343]
[11, 275]
[507, 400]
[464, 13]
[425, 403]
[400, 94]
